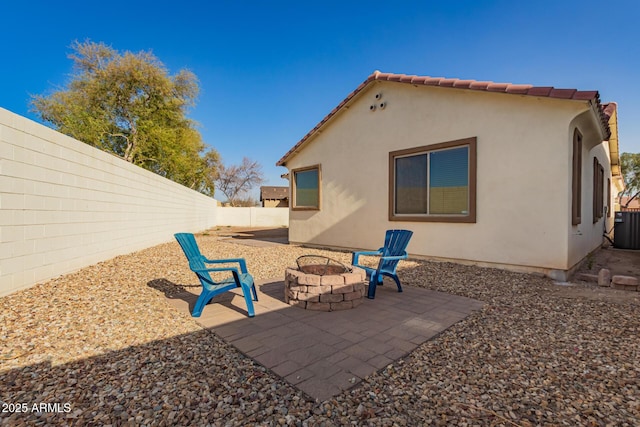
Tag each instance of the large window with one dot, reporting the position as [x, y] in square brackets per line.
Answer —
[434, 182]
[306, 188]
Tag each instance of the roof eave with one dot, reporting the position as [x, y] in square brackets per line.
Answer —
[344, 105]
[592, 97]
[611, 110]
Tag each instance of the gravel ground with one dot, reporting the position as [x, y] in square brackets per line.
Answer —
[102, 347]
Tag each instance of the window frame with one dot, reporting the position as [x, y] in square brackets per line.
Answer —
[294, 198]
[598, 190]
[608, 205]
[470, 217]
[576, 179]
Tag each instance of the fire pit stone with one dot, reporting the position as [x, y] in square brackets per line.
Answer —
[328, 292]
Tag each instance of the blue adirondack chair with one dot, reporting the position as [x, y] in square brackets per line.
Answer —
[211, 288]
[394, 249]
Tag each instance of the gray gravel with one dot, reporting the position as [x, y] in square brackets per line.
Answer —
[104, 342]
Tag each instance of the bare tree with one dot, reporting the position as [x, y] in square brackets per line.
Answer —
[246, 202]
[236, 181]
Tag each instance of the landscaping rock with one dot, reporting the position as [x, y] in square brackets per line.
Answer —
[105, 341]
[627, 283]
[604, 277]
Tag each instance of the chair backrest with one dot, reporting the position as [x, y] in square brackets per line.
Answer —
[395, 242]
[196, 259]
[190, 248]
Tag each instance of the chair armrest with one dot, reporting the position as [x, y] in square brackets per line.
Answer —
[356, 255]
[368, 253]
[241, 261]
[391, 258]
[208, 270]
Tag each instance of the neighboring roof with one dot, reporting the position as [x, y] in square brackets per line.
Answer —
[539, 91]
[274, 193]
[635, 203]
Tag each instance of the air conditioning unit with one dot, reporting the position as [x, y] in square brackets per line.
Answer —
[626, 231]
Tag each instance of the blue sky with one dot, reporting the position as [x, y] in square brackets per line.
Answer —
[269, 71]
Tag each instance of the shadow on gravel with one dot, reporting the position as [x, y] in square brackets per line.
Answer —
[170, 289]
[191, 379]
[267, 236]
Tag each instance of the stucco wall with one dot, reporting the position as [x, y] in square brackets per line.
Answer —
[523, 212]
[587, 236]
[253, 217]
[65, 205]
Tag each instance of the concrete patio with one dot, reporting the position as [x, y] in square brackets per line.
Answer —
[325, 353]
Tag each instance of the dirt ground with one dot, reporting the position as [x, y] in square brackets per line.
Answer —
[619, 261]
[623, 262]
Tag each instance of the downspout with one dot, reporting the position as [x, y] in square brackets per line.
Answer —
[606, 233]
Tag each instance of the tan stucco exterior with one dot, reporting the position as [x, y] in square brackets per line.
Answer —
[524, 152]
[275, 203]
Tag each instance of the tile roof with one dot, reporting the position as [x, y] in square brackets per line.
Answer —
[610, 112]
[609, 109]
[487, 86]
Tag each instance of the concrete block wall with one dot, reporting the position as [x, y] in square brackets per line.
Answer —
[65, 205]
[253, 217]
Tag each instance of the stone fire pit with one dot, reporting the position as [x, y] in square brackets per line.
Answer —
[319, 283]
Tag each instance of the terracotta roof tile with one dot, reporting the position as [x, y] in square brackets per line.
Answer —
[463, 84]
[479, 85]
[609, 109]
[432, 81]
[518, 89]
[447, 82]
[498, 87]
[508, 88]
[586, 95]
[562, 93]
[418, 79]
[540, 91]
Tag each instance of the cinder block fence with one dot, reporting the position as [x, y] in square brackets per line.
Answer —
[65, 205]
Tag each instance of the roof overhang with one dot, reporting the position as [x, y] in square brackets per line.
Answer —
[611, 112]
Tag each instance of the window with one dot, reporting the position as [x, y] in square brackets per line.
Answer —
[598, 190]
[434, 183]
[306, 188]
[576, 179]
[608, 198]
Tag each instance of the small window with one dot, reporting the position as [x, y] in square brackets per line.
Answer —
[576, 179]
[306, 188]
[598, 190]
[608, 205]
[434, 183]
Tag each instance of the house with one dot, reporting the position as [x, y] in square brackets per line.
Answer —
[493, 174]
[274, 197]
